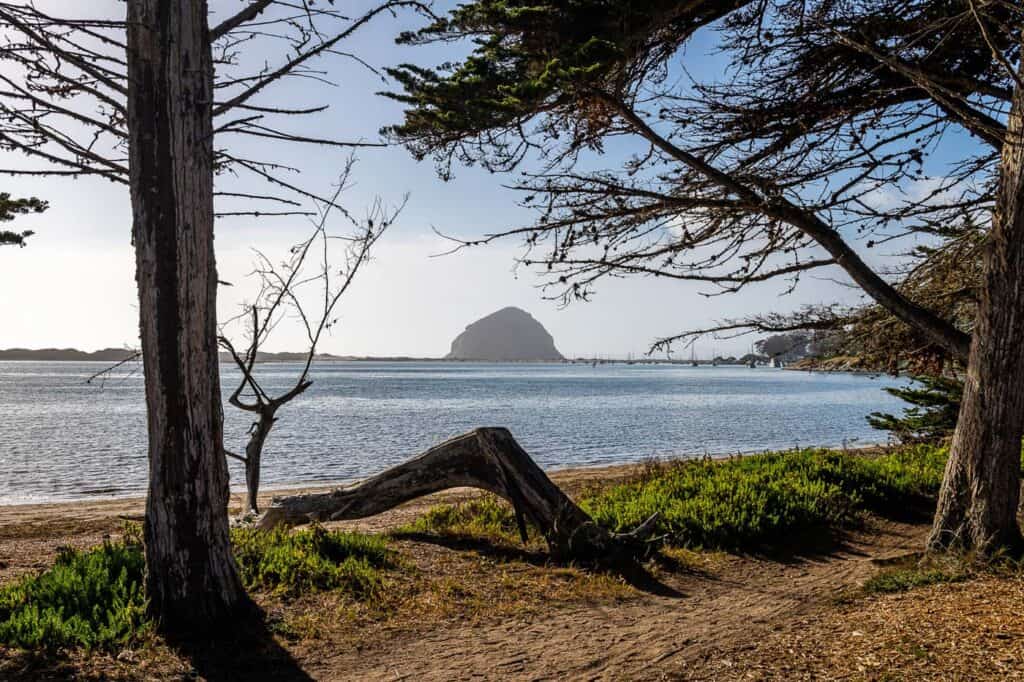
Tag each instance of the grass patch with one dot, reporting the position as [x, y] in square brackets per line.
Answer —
[940, 568]
[911, 572]
[95, 599]
[488, 517]
[312, 559]
[903, 579]
[91, 600]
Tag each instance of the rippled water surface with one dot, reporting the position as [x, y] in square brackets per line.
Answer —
[63, 439]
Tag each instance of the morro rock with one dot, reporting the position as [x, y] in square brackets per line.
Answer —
[509, 335]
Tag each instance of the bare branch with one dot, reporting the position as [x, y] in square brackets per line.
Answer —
[251, 11]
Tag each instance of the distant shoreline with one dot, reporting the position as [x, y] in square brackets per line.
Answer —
[124, 354]
[115, 355]
[89, 357]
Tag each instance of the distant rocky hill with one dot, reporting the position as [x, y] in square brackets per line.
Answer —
[508, 335]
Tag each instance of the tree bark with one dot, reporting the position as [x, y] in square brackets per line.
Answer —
[254, 455]
[486, 458]
[981, 490]
[192, 580]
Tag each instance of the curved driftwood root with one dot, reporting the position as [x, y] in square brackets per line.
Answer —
[486, 458]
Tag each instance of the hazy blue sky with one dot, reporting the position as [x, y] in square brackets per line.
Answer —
[74, 284]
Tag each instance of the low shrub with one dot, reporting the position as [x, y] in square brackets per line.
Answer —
[95, 599]
[488, 516]
[740, 503]
[753, 501]
[932, 414]
[730, 505]
[889, 483]
[92, 600]
[310, 559]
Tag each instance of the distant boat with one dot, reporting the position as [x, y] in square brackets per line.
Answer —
[693, 357]
[752, 364]
[775, 363]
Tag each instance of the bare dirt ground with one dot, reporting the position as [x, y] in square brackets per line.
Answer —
[473, 611]
[685, 626]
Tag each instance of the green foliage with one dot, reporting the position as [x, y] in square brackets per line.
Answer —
[754, 501]
[487, 516]
[95, 599]
[131, 533]
[945, 278]
[889, 483]
[741, 503]
[903, 579]
[930, 569]
[936, 406]
[92, 599]
[10, 209]
[310, 559]
[532, 57]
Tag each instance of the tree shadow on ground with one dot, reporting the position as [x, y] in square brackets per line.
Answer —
[244, 650]
[483, 546]
[633, 572]
[915, 510]
[832, 543]
[806, 546]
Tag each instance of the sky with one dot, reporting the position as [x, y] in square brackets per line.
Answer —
[73, 286]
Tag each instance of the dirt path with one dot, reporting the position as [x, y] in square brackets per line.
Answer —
[686, 636]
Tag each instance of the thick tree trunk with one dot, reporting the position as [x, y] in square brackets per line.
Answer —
[980, 493]
[489, 459]
[192, 580]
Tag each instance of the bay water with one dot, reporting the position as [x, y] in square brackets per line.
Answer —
[64, 439]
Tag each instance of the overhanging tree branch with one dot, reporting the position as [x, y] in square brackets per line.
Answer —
[250, 12]
[779, 207]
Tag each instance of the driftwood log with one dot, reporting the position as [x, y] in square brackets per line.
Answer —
[486, 458]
